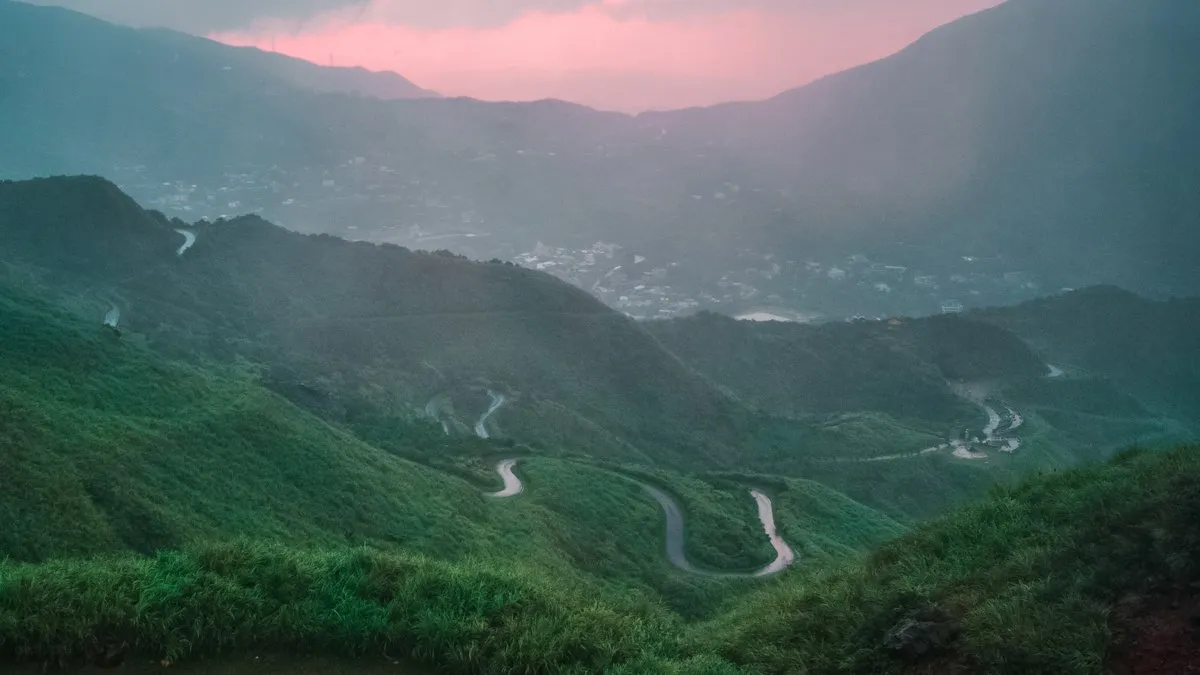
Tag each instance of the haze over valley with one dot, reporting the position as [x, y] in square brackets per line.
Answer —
[895, 188]
[327, 370]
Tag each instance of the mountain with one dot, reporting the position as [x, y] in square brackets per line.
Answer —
[912, 392]
[1003, 156]
[1056, 135]
[385, 85]
[1149, 348]
[182, 475]
[364, 327]
[246, 460]
[379, 341]
[984, 590]
[899, 367]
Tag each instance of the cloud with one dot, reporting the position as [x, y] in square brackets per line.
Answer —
[622, 54]
[207, 16]
[201, 16]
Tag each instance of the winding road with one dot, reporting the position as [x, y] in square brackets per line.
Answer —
[512, 485]
[498, 401]
[993, 424]
[784, 555]
[189, 240]
[960, 448]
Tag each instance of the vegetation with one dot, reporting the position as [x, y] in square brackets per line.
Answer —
[367, 338]
[110, 448]
[464, 617]
[1142, 347]
[1028, 578]
[1025, 581]
[362, 334]
[898, 367]
[250, 462]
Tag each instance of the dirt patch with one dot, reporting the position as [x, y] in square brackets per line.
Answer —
[1156, 635]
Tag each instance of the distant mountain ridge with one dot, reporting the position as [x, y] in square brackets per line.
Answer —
[1017, 134]
[1057, 133]
[325, 310]
[384, 85]
[410, 350]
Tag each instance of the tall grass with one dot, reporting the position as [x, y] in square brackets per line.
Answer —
[1030, 574]
[465, 617]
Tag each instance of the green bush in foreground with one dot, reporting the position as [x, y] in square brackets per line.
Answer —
[218, 599]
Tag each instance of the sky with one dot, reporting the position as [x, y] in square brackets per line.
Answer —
[628, 55]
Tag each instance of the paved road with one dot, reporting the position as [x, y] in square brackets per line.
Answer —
[784, 555]
[189, 240]
[498, 401]
[512, 485]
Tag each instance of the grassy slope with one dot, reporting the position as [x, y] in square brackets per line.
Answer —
[466, 617]
[898, 369]
[110, 449]
[1029, 575]
[376, 331]
[1147, 348]
[875, 389]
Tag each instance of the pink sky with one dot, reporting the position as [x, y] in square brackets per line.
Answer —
[602, 56]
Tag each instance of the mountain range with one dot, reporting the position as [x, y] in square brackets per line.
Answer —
[407, 349]
[245, 413]
[1018, 139]
[290, 442]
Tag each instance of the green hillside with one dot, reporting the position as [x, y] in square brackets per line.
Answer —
[247, 507]
[796, 369]
[1103, 331]
[1062, 574]
[880, 399]
[361, 333]
[1067, 573]
[110, 449]
[399, 348]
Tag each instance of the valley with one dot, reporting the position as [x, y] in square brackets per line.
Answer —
[309, 369]
[805, 201]
[496, 427]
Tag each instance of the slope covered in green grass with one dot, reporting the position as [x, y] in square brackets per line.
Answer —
[225, 518]
[1027, 579]
[371, 338]
[1147, 348]
[361, 333]
[110, 447]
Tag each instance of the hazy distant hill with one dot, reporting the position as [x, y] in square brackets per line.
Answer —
[371, 330]
[1149, 348]
[384, 85]
[1020, 135]
[898, 367]
[1057, 134]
